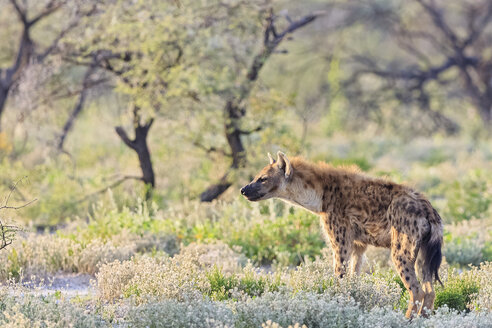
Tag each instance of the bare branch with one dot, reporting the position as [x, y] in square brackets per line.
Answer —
[124, 137]
[50, 8]
[110, 186]
[440, 22]
[18, 207]
[477, 26]
[64, 31]
[212, 149]
[20, 11]
[246, 132]
[79, 106]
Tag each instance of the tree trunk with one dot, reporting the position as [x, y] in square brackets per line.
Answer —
[233, 136]
[485, 108]
[140, 146]
[143, 152]
[215, 190]
[78, 107]
[3, 101]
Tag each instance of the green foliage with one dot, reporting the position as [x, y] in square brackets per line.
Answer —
[435, 157]
[106, 221]
[254, 285]
[286, 240]
[452, 298]
[468, 198]
[221, 286]
[458, 292]
[270, 235]
[225, 286]
[14, 268]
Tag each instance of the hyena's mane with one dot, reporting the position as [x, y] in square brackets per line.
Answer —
[325, 172]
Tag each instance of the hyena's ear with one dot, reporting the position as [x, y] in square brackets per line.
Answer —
[284, 164]
[272, 161]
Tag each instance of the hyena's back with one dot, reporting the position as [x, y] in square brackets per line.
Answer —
[374, 206]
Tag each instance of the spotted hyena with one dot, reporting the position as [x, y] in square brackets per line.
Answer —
[357, 211]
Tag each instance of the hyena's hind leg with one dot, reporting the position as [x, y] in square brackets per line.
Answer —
[427, 283]
[404, 250]
[430, 256]
[358, 257]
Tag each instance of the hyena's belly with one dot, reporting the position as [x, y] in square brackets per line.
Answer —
[372, 233]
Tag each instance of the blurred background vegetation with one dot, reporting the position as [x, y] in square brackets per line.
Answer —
[114, 106]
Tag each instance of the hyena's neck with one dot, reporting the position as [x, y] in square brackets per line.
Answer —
[304, 195]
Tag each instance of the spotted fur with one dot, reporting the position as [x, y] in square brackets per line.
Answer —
[356, 211]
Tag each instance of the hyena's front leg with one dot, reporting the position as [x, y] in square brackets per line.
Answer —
[341, 254]
[341, 242]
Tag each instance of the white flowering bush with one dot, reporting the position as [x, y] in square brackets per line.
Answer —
[366, 289]
[482, 302]
[42, 255]
[189, 314]
[213, 285]
[178, 277]
[311, 309]
[275, 310]
[468, 242]
[20, 308]
[175, 278]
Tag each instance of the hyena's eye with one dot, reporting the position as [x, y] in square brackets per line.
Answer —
[262, 179]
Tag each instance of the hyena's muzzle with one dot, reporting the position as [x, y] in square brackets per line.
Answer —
[253, 191]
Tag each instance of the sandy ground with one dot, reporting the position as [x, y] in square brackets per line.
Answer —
[70, 285]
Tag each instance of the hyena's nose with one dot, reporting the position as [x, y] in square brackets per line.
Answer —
[242, 190]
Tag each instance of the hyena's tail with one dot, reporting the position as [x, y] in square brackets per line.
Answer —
[432, 244]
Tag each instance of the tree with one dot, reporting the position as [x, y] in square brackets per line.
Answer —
[441, 52]
[28, 50]
[234, 109]
[143, 63]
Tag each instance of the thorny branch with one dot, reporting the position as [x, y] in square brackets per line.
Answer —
[8, 232]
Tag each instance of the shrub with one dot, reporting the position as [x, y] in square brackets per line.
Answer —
[184, 275]
[42, 255]
[468, 242]
[482, 301]
[19, 308]
[463, 250]
[247, 283]
[265, 232]
[286, 240]
[305, 308]
[368, 290]
[458, 292]
[221, 286]
[171, 313]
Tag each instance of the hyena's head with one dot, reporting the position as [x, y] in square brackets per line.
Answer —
[271, 181]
